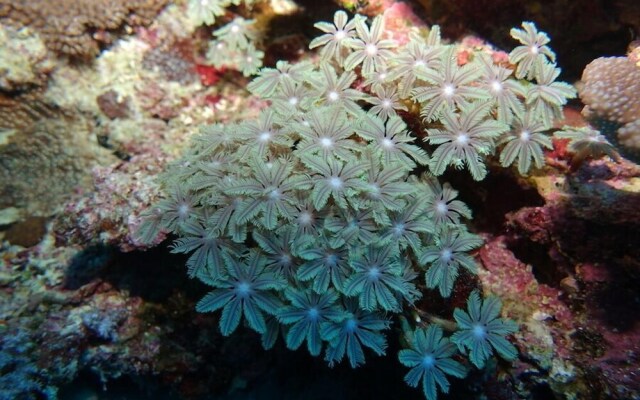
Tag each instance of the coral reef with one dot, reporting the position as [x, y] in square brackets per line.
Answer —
[78, 27]
[84, 147]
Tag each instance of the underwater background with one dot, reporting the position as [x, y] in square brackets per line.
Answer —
[337, 199]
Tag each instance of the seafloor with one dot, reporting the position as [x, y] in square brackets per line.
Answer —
[102, 104]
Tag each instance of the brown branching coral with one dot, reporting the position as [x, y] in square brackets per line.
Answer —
[77, 27]
[22, 111]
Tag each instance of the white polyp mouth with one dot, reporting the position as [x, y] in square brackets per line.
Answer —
[441, 208]
[326, 142]
[305, 218]
[446, 255]
[448, 90]
[496, 86]
[274, 194]
[462, 139]
[335, 182]
[479, 331]
[373, 273]
[264, 136]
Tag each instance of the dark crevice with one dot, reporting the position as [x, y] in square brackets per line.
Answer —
[617, 303]
[542, 391]
[543, 267]
[492, 198]
[89, 386]
[152, 275]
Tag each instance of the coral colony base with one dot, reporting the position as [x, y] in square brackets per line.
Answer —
[315, 221]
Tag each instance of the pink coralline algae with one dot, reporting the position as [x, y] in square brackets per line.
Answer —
[400, 19]
[524, 297]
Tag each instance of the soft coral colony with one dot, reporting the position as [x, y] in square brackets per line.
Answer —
[319, 220]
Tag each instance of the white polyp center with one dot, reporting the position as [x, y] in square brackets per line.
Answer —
[446, 255]
[479, 331]
[525, 136]
[534, 49]
[243, 288]
[305, 218]
[333, 95]
[235, 29]
[382, 76]
[418, 63]
[351, 325]
[462, 139]
[375, 190]
[274, 194]
[204, 3]
[441, 208]
[387, 143]
[448, 90]
[371, 49]
[335, 182]
[331, 259]
[398, 229]
[496, 86]
[373, 273]
[428, 361]
[249, 59]
[326, 142]
[340, 34]
[293, 101]
[386, 103]
[183, 210]
[264, 136]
